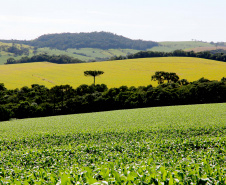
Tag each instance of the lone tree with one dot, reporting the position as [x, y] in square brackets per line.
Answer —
[93, 73]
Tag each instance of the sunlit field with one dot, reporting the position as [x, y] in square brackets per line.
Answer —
[159, 145]
[133, 72]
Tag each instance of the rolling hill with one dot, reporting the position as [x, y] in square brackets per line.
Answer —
[85, 54]
[100, 40]
[94, 46]
[133, 72]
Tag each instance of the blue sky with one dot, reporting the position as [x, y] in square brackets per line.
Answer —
[157, 20]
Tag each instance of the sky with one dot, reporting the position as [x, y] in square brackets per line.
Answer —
[156, 20]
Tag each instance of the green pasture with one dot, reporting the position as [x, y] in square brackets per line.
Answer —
[161, 145]
[85, 54]
[184, 45]
[90, 54]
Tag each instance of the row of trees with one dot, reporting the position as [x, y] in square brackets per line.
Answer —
[177, 53]
[39, 101]
[58, 59]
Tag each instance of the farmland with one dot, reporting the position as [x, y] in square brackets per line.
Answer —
[133, 72]
[91, 54]
[183, 45]
[170, 145]
[207, 48]
[85, 54]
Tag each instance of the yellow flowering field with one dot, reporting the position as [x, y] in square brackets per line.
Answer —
[132, 72]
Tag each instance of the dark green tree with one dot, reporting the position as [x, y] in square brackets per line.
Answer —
[5, 114]
[158, 76]
[93, 74]
[161, 76]
[171, 77]
[223, 79]
[11, 61]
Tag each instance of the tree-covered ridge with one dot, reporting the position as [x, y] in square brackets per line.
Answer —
[101, 40]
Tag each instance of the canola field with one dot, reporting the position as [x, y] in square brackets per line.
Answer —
[159, 145]
[133, 72]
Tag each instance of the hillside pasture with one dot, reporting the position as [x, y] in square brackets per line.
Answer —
[199, 49]
[84, 54]
[133, 72]
[180, 45]
[4, 55]
[87, 54]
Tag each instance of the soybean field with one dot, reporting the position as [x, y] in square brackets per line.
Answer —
[159, 145]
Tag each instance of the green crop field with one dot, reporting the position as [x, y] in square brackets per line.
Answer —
[161, 145]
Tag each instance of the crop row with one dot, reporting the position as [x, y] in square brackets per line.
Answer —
[162, 145]
[142, 157]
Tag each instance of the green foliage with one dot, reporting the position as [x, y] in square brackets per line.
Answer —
[162, 145]
[162, 76]
[177, 53]
[101, 40]
[5, 114]
[93, 74]
[60, 59]
[18, 51]
[39, 101]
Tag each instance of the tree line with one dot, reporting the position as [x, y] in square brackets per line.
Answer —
[58, 59]
[40, 101]
[177, 53]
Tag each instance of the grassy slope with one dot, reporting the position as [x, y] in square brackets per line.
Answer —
[155, 118]
[5, 55]
[133, 72]
[199, 49]
[178, 144]
[184, 45]
[88, 54]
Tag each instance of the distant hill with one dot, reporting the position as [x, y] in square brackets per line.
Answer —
[100, 40]
[94, 46]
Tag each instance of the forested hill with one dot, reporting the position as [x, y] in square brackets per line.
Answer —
[101, 40]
